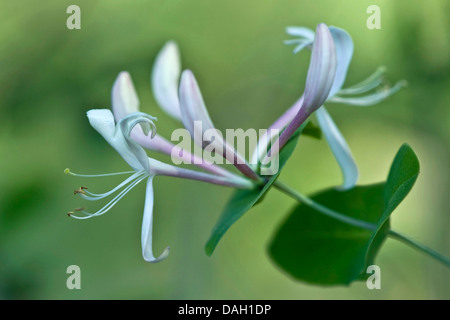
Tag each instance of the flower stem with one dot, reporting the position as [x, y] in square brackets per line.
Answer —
[416, 245]
[321, 208]
[358, 223]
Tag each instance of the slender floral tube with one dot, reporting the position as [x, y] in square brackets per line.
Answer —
[197, 121]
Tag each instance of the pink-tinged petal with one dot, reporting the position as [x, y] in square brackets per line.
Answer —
[322, 70]
[192, 106]
[124, 97]
[118, 137]
[160, 144]
[125, 102]
[196, 120]
[319, 81]
[278, 124]
[147, 227]
[165, 77]
[232, 180]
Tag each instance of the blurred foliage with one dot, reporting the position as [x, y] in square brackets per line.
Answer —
[50, 76]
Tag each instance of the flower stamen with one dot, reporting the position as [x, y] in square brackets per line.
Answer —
[97, 196]
[80, 190]
[70, 213]
[111, 203]
[67, 171]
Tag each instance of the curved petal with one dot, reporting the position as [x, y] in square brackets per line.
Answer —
[124, 128]
[371, 99]
[306, 38]
[278, 124]
[344, 52]
[301, 46]
[371, 82]
[165, 77]
[301, 32]
[197, 121]
[124, 97]
[193, 107]
[339, 147]
[125, 102]
[319, 80]
[147, 227]
[322, 70]
[102, 120]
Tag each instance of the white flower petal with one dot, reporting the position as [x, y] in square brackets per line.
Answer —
[322, 70]
[344, 52]
[301, 46]
[102, 120]
[192, 105]
[371, 99]
[339, 147]
[371, 82]
[147, 227]
[302, 32]
[194, 114]
[124, 97]
[197, 121]
[165, 77]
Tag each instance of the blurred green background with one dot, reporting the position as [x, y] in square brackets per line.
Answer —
[50, 76]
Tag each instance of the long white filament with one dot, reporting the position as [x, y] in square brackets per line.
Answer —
[98, 196]
[67, 171]
[130, 183]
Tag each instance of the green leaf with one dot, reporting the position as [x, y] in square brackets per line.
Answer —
[315, 248]
[318, 249]
[243, 200]
[403, 174]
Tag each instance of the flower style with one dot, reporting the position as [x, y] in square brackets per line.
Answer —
[343, 46]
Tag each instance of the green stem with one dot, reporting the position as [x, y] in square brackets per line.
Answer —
[325, 210]
[356, 222]
[416, 245]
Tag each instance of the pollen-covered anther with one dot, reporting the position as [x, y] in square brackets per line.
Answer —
[80, 190]
[75, 210]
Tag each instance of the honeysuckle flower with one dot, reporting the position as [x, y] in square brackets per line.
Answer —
[125, 101]
[118, 135]
[344, 52]
[183, 100]
[165, 84]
